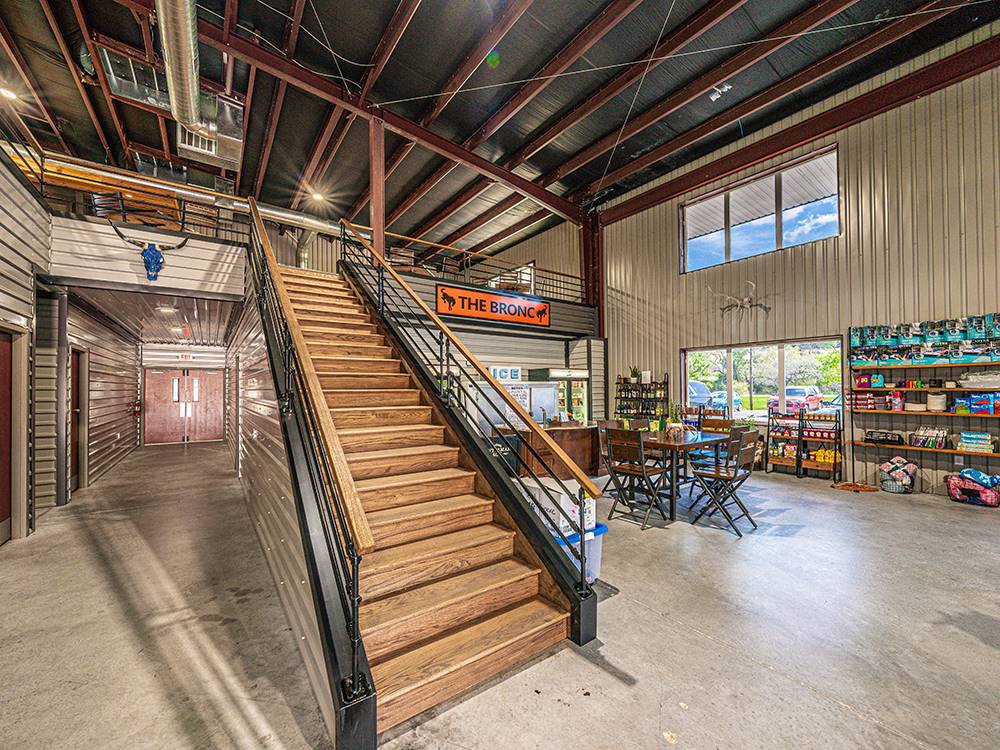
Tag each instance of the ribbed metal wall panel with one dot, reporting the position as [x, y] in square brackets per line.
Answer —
[24, 249]
[267, 486]
[179, 355]
[556, 249]
[113, 431]
[90, 250]
[43, 441]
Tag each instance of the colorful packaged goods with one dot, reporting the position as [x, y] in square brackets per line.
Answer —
[961, 489]
[929, 437]
[975, 442]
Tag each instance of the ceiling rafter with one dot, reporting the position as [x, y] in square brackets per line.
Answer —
[229, 19]
[572, 51]
[337, 121]
[102, 78]
[77, 76]
[302, 78]
[289, 43]
[31, 83]
[833, 62]
[706, 18]
[246, 125]
[512, 11]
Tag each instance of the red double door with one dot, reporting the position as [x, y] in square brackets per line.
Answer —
[183, 406]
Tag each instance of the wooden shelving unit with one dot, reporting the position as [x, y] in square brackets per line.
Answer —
[926, 414]
[798, 425]
[642, 400]
[921, 449]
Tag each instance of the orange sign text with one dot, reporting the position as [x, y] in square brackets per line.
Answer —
[503, 308]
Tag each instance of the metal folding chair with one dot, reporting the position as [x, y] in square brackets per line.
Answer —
[721, 483]
[629, 462]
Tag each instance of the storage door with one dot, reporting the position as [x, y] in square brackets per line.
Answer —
[165, 407]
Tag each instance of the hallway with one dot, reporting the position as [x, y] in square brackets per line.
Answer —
[143, 615]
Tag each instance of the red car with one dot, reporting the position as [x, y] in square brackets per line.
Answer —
[797, 396]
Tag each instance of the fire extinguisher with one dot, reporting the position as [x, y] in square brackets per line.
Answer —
[136, 408]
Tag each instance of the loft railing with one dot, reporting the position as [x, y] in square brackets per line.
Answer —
[455, 264]
[490, 419]
[335, 532]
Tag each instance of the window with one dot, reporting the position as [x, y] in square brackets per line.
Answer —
[798, 204]
[520, 279]
[810, 372]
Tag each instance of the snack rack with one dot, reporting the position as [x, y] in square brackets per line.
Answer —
[804, 433]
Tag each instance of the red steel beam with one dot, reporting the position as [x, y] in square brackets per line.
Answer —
[282, 67]
[290, 41]
[816, 14]
[164, 139]
[246, 125]
[230, 15]
[333, 128]
[9, 47]
[909, 88]
[102, 78]
[892, 32]
[376, 164]
[709, 16]
[592, 33]
[75, 72]
[509, 15]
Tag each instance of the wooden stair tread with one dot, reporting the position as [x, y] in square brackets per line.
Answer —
[421, 450]
[373, 391]
[395, 557]
[420, 477]
[428, 508]
[377, 409]
[408, 603]
[417, 679]
[390, 429]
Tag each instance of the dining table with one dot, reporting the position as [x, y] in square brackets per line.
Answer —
[671, 444]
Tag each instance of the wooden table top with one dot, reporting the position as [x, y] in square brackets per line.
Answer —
[690, 440]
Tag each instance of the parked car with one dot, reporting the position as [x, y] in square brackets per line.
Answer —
[797, 396]
[720, 400]
[698, 394]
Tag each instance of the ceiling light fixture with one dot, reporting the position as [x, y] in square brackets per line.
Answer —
[166, 308]
[317, 197]
[718, 91]
[8, 94]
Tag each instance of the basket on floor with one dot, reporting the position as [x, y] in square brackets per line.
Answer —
[888, 484]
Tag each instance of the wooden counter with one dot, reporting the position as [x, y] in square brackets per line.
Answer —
[580, 443]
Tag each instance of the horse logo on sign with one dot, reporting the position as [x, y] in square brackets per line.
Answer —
[152, 252]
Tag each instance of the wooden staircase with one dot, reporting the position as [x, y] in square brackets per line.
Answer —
[452, 595]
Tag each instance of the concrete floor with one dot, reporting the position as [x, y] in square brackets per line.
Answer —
[142, 615]
[845, 621]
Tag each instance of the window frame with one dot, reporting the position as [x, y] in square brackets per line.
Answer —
[776, 174]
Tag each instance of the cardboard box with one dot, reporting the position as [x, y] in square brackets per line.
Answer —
[546, 508]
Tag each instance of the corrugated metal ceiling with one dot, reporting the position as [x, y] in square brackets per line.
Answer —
[439, 37]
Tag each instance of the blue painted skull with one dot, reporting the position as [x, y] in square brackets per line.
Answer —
[152, 258]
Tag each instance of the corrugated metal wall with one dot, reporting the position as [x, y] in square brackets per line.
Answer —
[44, 401]
[266, 482]
[920, 237]
[556, 249]
[322, 255]
[183, 356]
[91, 250]
[113, 431]
[24, 248]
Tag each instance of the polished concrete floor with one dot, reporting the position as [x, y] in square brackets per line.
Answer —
[844, 621]
[142, 616]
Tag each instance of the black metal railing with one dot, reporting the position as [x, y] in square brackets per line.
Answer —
[483, 415]
[333, 559]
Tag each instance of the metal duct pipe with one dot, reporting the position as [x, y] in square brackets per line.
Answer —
[199, 195]
[178, 24]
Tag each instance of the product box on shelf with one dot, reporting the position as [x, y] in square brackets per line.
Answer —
[857, 336]
[887, 335]
[993, 326]
[864, 357]
[954, 329]
[976, 326]
[970, 354]
[981, 403]
[934, 331]
[911, 333]
[870, 336]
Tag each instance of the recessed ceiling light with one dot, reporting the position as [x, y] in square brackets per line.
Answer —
[7, 94]
[317, 196]
[166, 308]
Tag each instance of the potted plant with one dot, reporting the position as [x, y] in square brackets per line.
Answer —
[634, 374]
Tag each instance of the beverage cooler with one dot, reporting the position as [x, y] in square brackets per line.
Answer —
[573, 394]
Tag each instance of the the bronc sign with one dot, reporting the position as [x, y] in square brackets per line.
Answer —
[503, 308]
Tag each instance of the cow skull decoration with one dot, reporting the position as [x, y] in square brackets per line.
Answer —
[152, 252]
[745, 304]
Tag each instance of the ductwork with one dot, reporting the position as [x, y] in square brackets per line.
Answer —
[177, 21]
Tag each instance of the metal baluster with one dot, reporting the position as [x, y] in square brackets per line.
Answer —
[381, 290]
[581, 499]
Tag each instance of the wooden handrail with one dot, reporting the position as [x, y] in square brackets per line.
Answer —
[357, 521]
[578, 474]
[484, 256]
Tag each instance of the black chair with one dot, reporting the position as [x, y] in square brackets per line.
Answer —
[630, 463]
[721, 483]
[602, 439]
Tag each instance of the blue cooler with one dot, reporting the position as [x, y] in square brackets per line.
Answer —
[593, 540]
